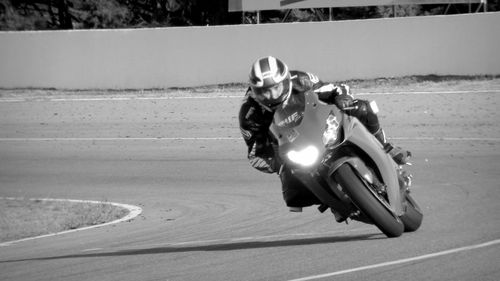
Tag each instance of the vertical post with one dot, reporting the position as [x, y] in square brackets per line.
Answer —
[286, 15]
[483, 3]
[258, 17]
[447, 8]
[330, 14]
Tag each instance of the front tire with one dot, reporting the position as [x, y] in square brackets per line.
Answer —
[367, 203]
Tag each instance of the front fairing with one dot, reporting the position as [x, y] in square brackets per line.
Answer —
[300, 123]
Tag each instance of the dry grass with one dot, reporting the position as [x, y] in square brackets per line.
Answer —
[21, 218]
[390, 84]
[427, 83]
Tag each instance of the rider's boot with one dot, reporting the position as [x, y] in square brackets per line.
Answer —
[400, 155]
[338, 216]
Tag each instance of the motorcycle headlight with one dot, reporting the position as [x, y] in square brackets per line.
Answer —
[331, 133]
[305, 157]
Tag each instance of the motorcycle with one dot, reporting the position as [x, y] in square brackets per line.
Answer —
[344, 165]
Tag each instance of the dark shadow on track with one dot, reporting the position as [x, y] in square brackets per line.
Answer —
[230, 246]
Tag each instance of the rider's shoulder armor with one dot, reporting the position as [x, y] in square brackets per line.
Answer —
[304, 81]
[253, 118]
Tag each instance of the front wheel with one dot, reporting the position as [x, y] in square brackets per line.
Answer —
[367, 203]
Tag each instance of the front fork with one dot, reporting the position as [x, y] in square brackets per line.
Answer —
[404, 179]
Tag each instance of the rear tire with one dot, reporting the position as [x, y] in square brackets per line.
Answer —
[367, 203]
[412, 217]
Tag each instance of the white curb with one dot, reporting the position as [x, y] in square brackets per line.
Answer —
[134, 211]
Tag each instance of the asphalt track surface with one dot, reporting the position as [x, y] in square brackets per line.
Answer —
[207, 215]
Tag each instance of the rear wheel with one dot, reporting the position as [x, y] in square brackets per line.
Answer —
[367, 203]
[412, 217]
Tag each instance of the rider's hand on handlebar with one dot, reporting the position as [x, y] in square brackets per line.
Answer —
[344, 101]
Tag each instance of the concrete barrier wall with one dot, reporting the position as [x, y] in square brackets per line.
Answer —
[180, 57]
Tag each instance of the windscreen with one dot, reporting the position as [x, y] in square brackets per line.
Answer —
[291, 113]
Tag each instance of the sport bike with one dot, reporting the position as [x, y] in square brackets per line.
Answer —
[344, 165]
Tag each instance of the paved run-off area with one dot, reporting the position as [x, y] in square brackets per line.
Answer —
[208, 216]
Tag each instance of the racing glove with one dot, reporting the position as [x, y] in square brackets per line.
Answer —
[343, 97]
[340, 95]
[344, 101]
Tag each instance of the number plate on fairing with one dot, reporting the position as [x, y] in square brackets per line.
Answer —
[292, 135]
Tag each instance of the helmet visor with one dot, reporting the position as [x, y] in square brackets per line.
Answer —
[269, 95]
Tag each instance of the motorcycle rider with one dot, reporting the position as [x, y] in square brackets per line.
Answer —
[271, 84]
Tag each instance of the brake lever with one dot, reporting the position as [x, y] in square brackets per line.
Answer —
[351, 107]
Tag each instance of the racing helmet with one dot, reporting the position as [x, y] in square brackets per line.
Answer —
[270, 82]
